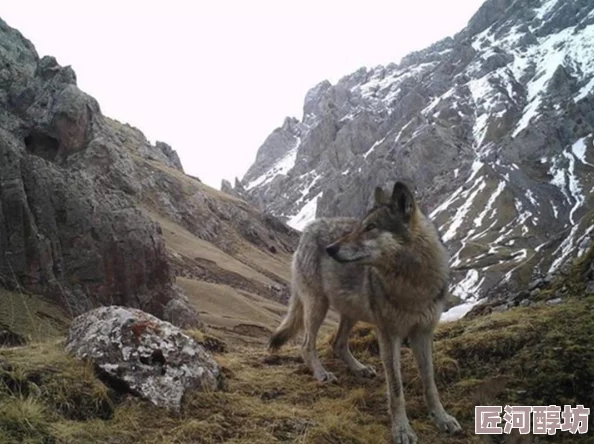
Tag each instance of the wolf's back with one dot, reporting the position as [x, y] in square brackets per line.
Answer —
[316, 236]
[306, 267]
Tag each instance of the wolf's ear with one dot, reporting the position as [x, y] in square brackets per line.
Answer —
[403, 200]
[380, 196]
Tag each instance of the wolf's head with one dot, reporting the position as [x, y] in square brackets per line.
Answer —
[382, 232]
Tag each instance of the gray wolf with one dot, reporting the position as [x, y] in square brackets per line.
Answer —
[390, 269]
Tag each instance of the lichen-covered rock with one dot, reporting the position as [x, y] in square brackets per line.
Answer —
[147, 356]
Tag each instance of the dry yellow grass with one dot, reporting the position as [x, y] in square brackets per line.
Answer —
[530, 356]
[223, 306]
[247, 317]
[183, 242]
[31, 316]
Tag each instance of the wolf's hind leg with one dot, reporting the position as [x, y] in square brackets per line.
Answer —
[315, 309]
[340, 346]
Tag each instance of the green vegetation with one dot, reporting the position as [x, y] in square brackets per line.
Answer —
[31, 317]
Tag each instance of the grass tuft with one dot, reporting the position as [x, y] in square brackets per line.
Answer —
[537, 355]
[23, 419]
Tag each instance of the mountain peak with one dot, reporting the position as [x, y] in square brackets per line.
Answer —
[491, 126]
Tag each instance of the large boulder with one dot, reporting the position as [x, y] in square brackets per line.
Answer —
[144, 355]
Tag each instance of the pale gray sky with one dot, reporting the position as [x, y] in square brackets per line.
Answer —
[214, 78]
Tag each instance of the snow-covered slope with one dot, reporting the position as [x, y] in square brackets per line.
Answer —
[494, 127]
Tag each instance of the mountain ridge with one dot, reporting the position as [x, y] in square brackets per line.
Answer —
[90, 207]
[92, 213]
[493, 127]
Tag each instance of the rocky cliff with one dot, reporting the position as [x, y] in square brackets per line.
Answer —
[493, 127]
[93, 214]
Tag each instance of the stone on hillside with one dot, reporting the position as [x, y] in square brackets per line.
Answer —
[9, 338]
[149, 357]
[226, 187]
[180, 312]
[535, 284]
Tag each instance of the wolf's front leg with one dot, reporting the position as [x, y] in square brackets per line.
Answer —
[422, 344]
[402, 432]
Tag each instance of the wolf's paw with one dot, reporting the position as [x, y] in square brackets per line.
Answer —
[404, 434]
[326, 377]
[446, 422]
[366, 371]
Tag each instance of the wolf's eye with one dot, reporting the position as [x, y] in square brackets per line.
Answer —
[370, 227]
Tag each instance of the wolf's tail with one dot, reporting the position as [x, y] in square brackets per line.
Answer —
[290, 326]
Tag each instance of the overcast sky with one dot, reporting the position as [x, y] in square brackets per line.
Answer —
[214, 78]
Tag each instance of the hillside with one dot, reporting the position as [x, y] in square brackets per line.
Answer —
[493, 126]
[91, 213]
[537, 355]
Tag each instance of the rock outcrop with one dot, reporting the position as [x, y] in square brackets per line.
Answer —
[83, 198]
[138, 353]
[494, 127]
[69, 227]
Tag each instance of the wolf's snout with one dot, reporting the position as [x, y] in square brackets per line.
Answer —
[332, 249]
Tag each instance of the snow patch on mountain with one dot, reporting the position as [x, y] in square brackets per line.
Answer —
[468, 287]
[579, 149]
[283, 166]
[462, 211]
[379, 142]
[493, 127]
[457, 312]
[585, 91]
[306, 214]
[478, 221]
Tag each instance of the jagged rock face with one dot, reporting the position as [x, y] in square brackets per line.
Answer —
[69, 226]
[493, 128]
[83, 199]
[135, 140]
[143, 355]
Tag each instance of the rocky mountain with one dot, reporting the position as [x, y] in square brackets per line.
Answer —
[493, 127]
[93, 214]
